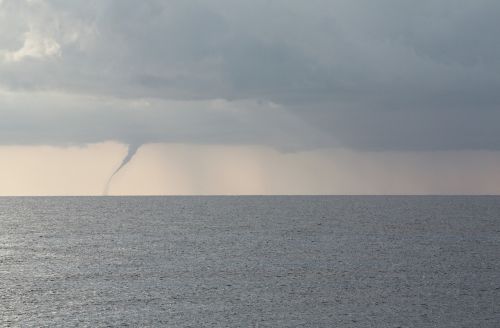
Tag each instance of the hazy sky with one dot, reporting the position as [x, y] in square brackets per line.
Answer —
[261, 96]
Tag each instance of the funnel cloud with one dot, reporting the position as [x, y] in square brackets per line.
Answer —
[132, 150]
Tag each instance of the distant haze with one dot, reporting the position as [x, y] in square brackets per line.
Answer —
[319, 96]
[172, 169]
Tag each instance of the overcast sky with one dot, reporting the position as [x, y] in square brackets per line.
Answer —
[290, 75]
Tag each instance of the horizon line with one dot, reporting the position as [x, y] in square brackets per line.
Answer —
[262, 195]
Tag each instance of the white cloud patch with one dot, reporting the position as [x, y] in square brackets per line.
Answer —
[38, 31]
[35, 46]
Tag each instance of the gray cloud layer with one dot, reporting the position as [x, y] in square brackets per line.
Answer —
[384, 75]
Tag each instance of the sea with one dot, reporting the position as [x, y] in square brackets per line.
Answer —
[270, 261]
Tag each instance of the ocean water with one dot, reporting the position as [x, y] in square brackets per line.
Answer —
[250, 262]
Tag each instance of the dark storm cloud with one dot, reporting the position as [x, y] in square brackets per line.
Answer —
[401, 75]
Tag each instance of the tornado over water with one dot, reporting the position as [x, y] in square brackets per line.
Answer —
[132, 149]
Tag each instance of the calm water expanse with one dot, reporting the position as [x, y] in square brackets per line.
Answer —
[250, 261]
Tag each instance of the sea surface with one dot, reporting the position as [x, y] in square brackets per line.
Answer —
[250, 261]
